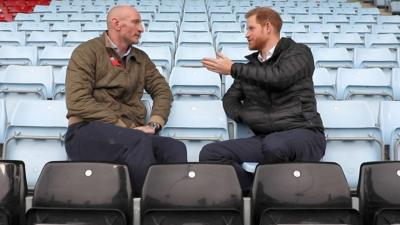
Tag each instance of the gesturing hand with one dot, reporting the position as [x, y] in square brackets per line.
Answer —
[221, 64]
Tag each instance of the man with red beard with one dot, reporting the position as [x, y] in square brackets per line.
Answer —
[274, 95]
[106, 77]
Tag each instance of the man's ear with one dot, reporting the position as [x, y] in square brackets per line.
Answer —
[115, 23]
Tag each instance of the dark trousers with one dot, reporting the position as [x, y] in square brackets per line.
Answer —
[98, 141]
[286, 146]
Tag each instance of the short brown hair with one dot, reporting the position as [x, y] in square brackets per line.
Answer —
[265, 14]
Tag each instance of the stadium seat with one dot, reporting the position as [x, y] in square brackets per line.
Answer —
[42, 39]
[55, 56]
[307, 19]
[301, 193]
[14, 190]
[74, 38]
[222, 27]
[159, 39]
[59, 84]
[12, 38]
[324, 84]
[195, 8]
[292, 10]
[363, 19]
[352, 134]
[191, 56]
[94, 9]
[346, 11]
[26, 82]
[320, 11]
[389, 121]
[236, 54]
[35, 135]
[386, 29]
[195, 83]
[82, 193]
[27, 17]
[194, 27]
[368, 11]
[379, 199]
[360, 29]
[34, 26]
[41, 9]
[194, 17]
[54, 17]
[82, 18]
[196, 123]
[230, 40]
[9, 26]
[375, 57]
[168, 17]
[325, 29]
[66, 27]
[222, 18]
[168, 9]
[383, 20]
[69, 9]
[195, 39]
[345, 40]
[94, 27]
[381, 41]
[18, 55]
[160, 56]
[310, 39]
[338, 20]
[181, 194]
[332, 57]
[289, 29]
[164, 27]
[219, 7]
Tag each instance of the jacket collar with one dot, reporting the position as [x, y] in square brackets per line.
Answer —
[283, 44]
[110, 46]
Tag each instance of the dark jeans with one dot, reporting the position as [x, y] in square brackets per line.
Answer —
[286, 146]
[98, 141]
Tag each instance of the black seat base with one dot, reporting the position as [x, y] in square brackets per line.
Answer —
[192, 218]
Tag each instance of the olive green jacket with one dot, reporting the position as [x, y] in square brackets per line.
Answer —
[100, 88]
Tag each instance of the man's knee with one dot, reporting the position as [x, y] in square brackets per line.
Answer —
[209, 152]
[275, 152]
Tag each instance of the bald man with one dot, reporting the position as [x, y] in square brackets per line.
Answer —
[106, 77]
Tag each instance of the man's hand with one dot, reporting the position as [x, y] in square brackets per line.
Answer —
[146, 129]
[221, 64]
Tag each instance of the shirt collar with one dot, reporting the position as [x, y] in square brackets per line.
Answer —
[115, 48]
[269, 54]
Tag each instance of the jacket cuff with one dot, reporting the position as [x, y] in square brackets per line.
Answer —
[157, 119]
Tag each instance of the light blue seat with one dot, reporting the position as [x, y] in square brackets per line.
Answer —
[195, 39]
[307, 19]
[196, 123]
[368, 11]
[18, 55]
[352, 134]
[106, 3]
[381, 41]
[27, 82]
[345, 11]
[320, 10]
[66, 27]
[286, 18]
[230, 40]
[345, 40]
[34, 26]
[352, 5]
[54, 17]
[195, 9]
[83, 17]
[335, 19]
[103, 18]
[195, 17]
[310, 39]
[164, 27]
[42, 39]
[168, 9]
[386, 29]
[42, 9]
[237, 54]
[394, 7]
[59, 84]
[325, 29]
[332, 57]
[81, 3]
[75, 38]
[27, 17]
[94, 9]
[194, 84]
[222, 8]
[385, 20]
[12, 38]
[375, 57]
[69, 9]
[9, 26]
[360, 29]
[160, 56]
[324, 84]
[168, 17]
[224, 18]
[158, 39]
[3, 120]
[396, 83]
[222, 27]
[289, 29]
[363, 19]
[191, 56]
[194, 27]
[55, 56]
[94, 27]
[35, 135]
[389, 120]
[292, 10]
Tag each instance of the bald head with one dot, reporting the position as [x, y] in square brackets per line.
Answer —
[119, 13]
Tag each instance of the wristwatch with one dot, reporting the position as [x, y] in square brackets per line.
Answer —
[155, 126]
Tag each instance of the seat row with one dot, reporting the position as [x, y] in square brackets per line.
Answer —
[286, 193]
